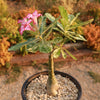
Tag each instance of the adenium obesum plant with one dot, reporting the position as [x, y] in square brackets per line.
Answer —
[50, 39]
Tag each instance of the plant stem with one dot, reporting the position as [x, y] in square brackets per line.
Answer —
[52, 84]
[51, 65]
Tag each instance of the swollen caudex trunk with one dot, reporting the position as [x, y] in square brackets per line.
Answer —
[52, 84]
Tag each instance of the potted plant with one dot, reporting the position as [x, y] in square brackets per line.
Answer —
[50, 39]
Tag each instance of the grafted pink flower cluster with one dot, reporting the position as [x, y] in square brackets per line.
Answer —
[25, 22]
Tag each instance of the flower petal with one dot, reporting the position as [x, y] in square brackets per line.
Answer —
[29, 21]
[20, 21]
[36, 14]
[29, 16]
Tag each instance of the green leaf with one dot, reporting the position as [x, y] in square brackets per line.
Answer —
[52, 19]
[70, 54]
[42, 24]
[48, 33]
[74, 36]
[68, 35]
[29, 32]
[56, 53]
[64, 23]
[51, 25]
[33, 48]
[64, 20]
[19, 45]
[80, 24]
[63, 54]
[57, 29]
[63, 13]
[73, 20]
[45, 47]
[70, 17]
[79, 37]
[57, 40]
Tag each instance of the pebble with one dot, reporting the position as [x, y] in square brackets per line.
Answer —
[36, 89]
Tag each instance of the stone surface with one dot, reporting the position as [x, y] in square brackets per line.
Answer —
[78, 69]
[37, 89]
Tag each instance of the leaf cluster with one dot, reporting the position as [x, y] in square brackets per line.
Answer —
[88, 11]
[5, 56]
[9, 28]
[92, 35]
[51, 38]
[3, 8]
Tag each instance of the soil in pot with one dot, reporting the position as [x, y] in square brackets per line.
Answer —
[36, 89]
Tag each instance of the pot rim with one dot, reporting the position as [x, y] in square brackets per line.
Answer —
[23, 91]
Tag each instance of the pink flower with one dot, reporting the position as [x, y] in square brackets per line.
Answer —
[25, 25]
[34, 16]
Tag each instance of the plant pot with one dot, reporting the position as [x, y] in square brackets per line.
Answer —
[27, 82]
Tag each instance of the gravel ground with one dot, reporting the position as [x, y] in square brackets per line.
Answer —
[78, 69]
[36, 89]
